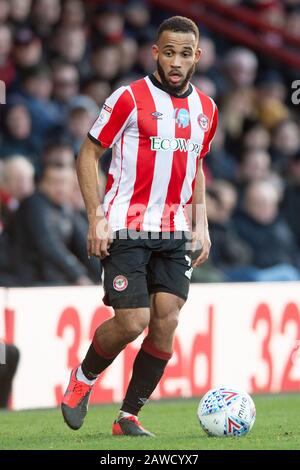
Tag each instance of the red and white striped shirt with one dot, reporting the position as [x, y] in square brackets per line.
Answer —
[157, 140]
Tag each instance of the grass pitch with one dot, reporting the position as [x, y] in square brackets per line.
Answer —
[174, 422]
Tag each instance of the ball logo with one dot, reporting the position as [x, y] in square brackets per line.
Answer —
[203, 122]
[232, 426]
[120, 283]
[182, 117]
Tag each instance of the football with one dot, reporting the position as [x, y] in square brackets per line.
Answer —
[225, 411]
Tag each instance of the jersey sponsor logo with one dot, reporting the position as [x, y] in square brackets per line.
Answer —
[107, 108]
[203, 122]
[120, 283]
[179, 143]
[156, 115]
[182, 117]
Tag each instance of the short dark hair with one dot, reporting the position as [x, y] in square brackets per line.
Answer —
[179, 24]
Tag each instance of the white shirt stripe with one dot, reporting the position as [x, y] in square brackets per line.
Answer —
[163, 160]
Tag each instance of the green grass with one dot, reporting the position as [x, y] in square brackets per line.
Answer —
[174, 422]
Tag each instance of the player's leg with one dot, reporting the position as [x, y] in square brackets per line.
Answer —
[155, 352]
[109, 340]
[169, 280]
[165, 310]
[125, 288]
[111, 337]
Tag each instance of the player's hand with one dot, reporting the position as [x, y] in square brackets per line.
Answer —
[201, 242]
[99, 237]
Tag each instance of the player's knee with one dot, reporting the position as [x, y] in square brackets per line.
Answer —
[133, 330]
[132, 325]
[171, 322]
[167, 324]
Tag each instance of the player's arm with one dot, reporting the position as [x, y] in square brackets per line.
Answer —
[99, 237]
[201, 238]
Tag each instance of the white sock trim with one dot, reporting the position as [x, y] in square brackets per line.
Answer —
[82, 378]
[124, 414]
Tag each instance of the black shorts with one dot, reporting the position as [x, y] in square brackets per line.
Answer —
[140, 265]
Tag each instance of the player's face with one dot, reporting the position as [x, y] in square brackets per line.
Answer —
[176, 55]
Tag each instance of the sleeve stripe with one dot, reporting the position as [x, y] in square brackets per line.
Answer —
[110, 124]
[93, 139]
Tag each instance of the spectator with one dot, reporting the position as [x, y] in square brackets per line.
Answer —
[18, 138]
[82, 114]
[27, 50]
[241, 67]
[145, 63]
[274, 251]
[137, 17]
[285, 143]
[4, 10]
[270, 85]
[291, 202]
[228, 250]
[65, 86]
[37, 89]
[255, 165]
[293, 23]
[20, 11]
[78, 206]
[96, 89]
[17, 183]
[45, 15]
[106, 62]
[238, 107]
[49, 252]
[128, 56]
[73, 14]
[108, 24]
[254, 136]
[58, 151]
[70, 45]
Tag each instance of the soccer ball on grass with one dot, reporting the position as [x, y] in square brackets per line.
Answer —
[225, 411]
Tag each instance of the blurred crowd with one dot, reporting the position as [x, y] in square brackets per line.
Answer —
[60, 59]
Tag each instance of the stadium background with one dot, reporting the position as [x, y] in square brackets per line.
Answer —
[59, 60]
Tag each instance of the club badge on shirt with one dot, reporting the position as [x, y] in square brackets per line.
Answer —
[203, 122]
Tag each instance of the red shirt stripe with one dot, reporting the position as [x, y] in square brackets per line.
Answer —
[118, 117]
